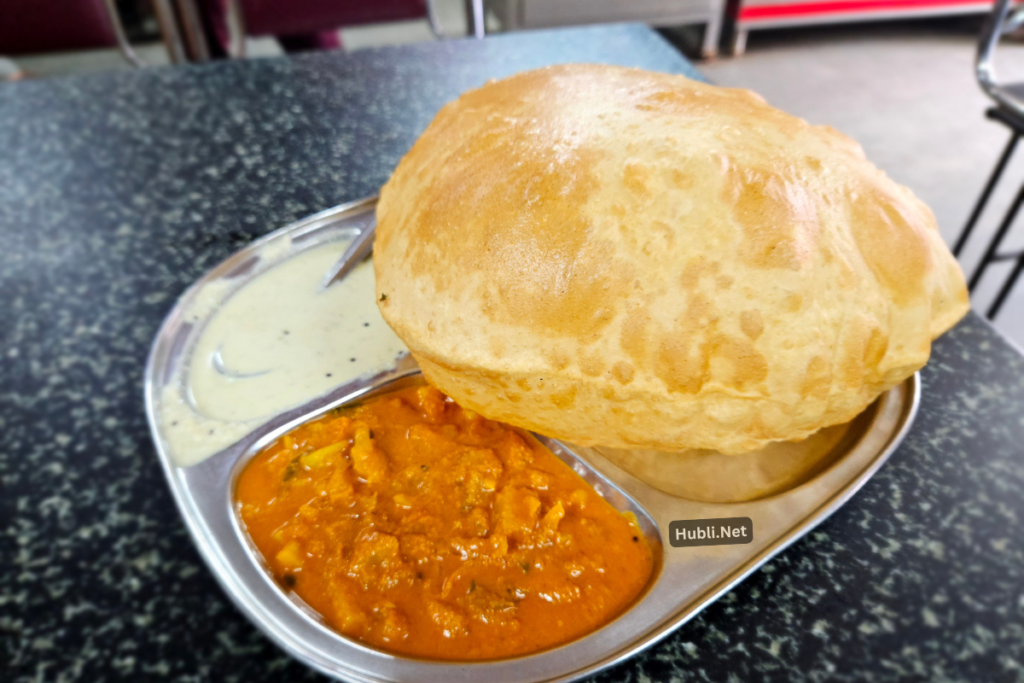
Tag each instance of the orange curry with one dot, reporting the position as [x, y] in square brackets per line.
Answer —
[427, 530]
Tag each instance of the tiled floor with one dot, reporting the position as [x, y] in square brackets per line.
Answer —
[906, 91]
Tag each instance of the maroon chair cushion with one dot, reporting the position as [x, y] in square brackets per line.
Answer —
[293, 17]
[28, 26]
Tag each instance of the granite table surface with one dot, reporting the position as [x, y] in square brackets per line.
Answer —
[118, 190]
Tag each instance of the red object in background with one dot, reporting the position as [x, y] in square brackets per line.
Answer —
[802, 9]
[752, 15]
[30, 26]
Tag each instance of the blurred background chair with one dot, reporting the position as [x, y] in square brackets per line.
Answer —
[224, 25]
[35, 26]
[1009, 110]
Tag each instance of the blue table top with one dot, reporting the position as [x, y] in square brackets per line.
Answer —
[118, 190]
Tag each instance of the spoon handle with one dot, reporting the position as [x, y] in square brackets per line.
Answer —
[360, 248]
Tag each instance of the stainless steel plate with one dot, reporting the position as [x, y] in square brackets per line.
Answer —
[685, 581]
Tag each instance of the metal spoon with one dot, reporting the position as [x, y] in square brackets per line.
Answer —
[358, 251]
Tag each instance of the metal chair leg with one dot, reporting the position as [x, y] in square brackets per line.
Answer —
[1005, 291]
[739, 41]
[170, 30]
[478, 17]
[994, 244]
[196, 45]
[983, 199]
[713, 30]
[119, 35]
[434, 21]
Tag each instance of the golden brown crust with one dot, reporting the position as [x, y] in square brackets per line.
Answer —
[633, 259]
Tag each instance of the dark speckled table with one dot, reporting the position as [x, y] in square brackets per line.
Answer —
[118, 190]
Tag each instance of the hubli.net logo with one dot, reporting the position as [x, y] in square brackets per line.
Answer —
[728, 531]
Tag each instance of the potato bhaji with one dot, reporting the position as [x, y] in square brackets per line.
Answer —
[425, 529]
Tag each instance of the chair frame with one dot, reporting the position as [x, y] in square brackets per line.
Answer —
[475, 11]
[1009, 110]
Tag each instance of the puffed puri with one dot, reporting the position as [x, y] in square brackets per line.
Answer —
[617, 257]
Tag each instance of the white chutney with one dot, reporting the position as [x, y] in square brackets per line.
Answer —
[274, 344]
